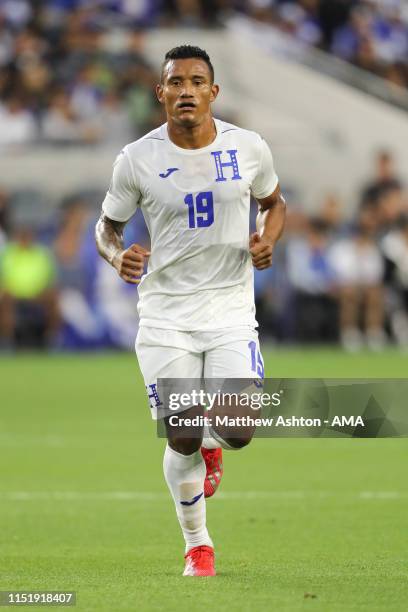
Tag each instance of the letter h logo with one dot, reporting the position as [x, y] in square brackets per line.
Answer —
[233, 163]
[154, 396]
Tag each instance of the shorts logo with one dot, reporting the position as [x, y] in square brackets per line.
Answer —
[193, 501]
[220, 165]
[168, 172]
[153, 396]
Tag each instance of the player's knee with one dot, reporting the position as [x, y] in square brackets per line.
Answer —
[185, 446]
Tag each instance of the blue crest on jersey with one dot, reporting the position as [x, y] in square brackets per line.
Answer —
[220, 165]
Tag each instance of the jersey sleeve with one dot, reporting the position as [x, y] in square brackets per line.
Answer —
[266, 179]
[123, 195]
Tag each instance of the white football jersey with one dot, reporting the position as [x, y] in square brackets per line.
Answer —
[196, 205]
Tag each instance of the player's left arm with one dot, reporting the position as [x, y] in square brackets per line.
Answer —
[269, 224]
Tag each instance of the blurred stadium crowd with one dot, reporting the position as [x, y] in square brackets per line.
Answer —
[370, 34]
[342, 279]
[333, 279]
[75, 71]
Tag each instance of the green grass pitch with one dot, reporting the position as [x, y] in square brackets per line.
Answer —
[321, 525]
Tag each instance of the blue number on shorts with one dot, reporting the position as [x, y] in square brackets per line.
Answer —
[257, 364]
[260, 369]
[200, 212]
[252, 347]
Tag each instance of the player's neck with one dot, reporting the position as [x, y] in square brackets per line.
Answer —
[192, 137]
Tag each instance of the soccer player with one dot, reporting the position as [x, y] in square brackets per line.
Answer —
[193, 178]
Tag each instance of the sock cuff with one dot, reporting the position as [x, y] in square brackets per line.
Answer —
[223, 443]
[181, 461]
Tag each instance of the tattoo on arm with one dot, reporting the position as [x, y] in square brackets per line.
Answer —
[109, 237]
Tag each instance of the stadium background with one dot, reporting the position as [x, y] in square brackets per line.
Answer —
[325, 82]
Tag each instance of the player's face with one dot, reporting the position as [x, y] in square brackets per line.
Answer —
[187, 91]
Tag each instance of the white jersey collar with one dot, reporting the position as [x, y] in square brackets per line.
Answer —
[212, 144]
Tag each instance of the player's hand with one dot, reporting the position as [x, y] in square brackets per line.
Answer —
[261, 251]
[130, 262]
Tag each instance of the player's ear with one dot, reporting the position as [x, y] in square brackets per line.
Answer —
[214, 92]
[159, 93]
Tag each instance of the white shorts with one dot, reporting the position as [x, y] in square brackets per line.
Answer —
[164, 353]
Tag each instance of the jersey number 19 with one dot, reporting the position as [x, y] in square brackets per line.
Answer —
[200, 209]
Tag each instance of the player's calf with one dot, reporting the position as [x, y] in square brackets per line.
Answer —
[183, 436]
[234, 425]
[184, 446]
[238, 441]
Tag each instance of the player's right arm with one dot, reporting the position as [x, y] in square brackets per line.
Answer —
[119, 205]
[129, 263]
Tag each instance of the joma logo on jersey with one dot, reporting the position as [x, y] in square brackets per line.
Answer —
[220, 165]
[168, 172]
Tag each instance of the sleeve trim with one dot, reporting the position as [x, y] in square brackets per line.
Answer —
[267, 192]
[113, 217]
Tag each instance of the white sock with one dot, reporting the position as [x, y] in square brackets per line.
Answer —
[210, 443]
[185, 476]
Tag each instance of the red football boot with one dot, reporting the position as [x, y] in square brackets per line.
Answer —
[199, 561]
[213, 463]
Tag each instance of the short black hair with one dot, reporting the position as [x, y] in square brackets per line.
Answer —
[187, 52]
